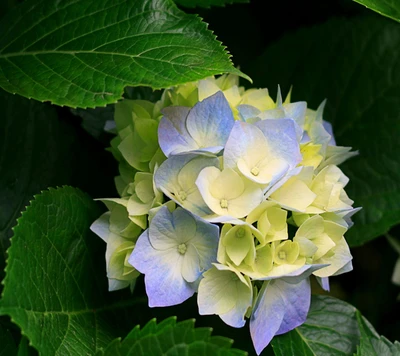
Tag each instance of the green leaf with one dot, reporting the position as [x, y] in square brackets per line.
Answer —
[355, 64]
[208, 3]
[54, 289]
[7, 344]
[24, 349]
[371, 343]
[389, 8]
[171, 338]
[39, 150]
[82, 53]
[330, 329]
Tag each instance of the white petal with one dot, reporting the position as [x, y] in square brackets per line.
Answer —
[222, 292]
[246, 202]
[340, 258]
[101, 227]
[245, 141]
[282, 140]
[191, 264]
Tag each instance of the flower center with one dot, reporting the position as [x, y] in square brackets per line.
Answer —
[223, 203]
[182, 249]
[255, 171]
[282, 255]
[240, 232]
[182, 195]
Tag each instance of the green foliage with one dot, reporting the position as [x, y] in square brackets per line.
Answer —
[82, 53]
[24, 349]
[389, 8]
[171, 338]
[38, 150]
[371, 343]
[53, 289]
[23, 126]
[357, 70]
[330, 329]
[208, 3]
[8, 346]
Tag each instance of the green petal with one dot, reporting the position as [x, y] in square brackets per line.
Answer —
[238, 242]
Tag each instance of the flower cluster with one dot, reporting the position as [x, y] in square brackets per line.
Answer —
[211, 177]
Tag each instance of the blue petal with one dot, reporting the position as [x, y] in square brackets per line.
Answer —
[297, 308]
[281, 135]
[248, 112]
[324, 283]
[210, 121]
[204, 128]
[280, 307]
[165, 285]
[166, 227]
[173, 136]
[328, 127]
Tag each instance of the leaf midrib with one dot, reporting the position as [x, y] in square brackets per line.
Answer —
[36, 53]
[305, 341]
[74, 53]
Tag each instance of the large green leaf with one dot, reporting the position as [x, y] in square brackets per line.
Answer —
[55, 289]
[38, 150]
[171, 338]
[208, 3]
[389, 8]
[371, 343]
[330, 329]
[82, 53]
[355, 64]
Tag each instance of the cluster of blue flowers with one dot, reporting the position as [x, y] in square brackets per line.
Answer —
[211, 176]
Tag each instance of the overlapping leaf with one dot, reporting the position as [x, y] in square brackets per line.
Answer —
[389, 8]
[171, 338]
[355, 64]
[39, 150]
[55, 288]
[371, 343]
[82, 53]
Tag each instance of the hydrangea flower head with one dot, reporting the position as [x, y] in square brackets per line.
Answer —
[232, 195]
